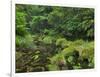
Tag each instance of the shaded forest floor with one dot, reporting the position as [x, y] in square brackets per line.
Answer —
[50, 54]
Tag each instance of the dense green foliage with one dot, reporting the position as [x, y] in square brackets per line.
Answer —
[52, 38]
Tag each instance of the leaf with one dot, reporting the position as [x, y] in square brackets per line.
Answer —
[36, 57]
[37, 52]
[47, 40]
[70, 59]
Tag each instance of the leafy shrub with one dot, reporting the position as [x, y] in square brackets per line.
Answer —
[62, 42]
[48, 40]
[24, 42]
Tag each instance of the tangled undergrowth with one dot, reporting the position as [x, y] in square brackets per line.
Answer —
[50, 38]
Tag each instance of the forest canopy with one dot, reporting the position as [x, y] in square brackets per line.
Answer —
[52, 38]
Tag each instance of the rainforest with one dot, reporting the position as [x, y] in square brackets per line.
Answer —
[53, 38]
